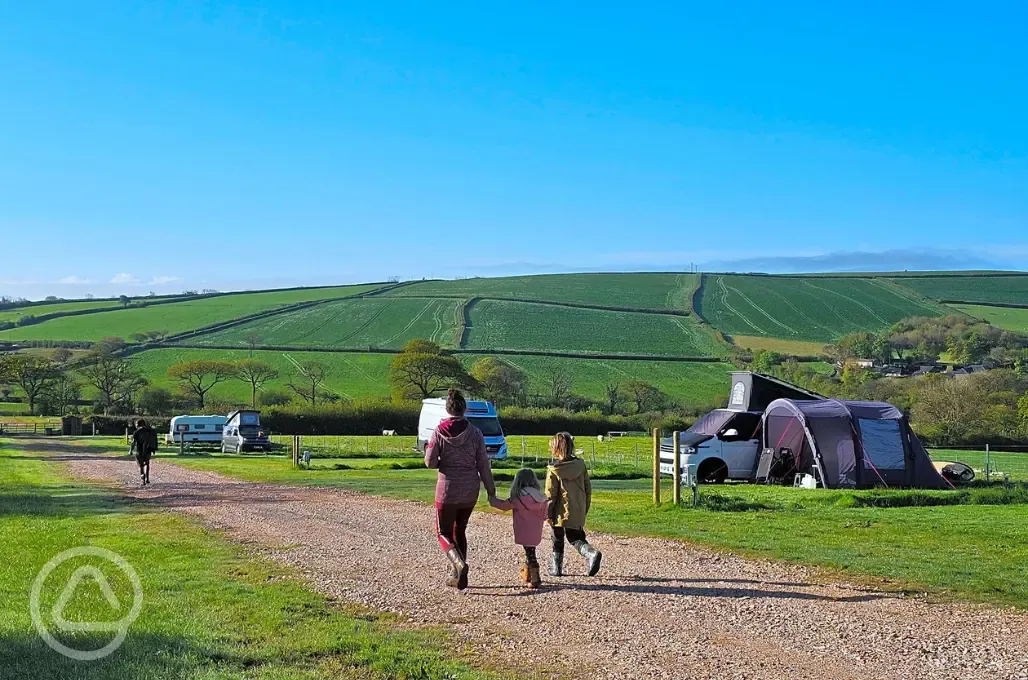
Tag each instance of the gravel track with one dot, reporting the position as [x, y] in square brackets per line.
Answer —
[659, 609]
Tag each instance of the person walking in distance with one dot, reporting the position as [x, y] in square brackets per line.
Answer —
[569, 494]
[457, 450]
[144, 446]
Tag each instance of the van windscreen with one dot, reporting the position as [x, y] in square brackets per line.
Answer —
[490, 426]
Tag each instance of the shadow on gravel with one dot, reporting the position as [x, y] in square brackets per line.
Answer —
[647, 579]
[650, 587]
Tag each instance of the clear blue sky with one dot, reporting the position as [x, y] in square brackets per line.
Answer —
[298, 142]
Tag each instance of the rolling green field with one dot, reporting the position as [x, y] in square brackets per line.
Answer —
[210, 608]
[358, 375]
[174, 317]
[988, 289]
[55, 308]
[350, 375]
[507, 325]
[1010, 318]
[644, 291]
[816, 309]
[385, 323]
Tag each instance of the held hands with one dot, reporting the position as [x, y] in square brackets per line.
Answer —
[494, 501]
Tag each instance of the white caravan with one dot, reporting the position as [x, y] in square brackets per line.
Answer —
[198, 429]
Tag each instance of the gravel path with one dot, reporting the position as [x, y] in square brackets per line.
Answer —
[659, 609]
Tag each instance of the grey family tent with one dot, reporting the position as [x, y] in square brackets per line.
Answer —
[850, 444]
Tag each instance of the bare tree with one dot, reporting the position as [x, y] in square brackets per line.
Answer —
[613, 391]
[309, 376]
[200, 376]
[111, 376]
[256, 373]
[253, 340]
[560, 384]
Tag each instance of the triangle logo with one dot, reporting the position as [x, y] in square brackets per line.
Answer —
[81, 574]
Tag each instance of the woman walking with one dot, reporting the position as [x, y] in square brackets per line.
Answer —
[457, 450]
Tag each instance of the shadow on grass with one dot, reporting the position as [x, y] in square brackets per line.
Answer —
[60, 501]
[149, 656]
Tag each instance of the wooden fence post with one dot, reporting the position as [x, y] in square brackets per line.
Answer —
[656, 466]
[677, 492]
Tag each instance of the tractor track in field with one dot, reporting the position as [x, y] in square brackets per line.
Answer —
[659, 609]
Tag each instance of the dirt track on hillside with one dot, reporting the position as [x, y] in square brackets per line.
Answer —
[659, 609]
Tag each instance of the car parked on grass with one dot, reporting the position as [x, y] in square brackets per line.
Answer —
[730, 450]
[242, 432]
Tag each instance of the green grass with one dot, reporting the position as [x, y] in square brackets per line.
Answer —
[359, 375]
[1000, 463]
[644, 291]
[385, 323]
[210, 610]
[987, 289]
[519, 326]
[969, 551]
[55, 308]
[351, 375]
[814, 309]
[174, 317]
[1010, 318]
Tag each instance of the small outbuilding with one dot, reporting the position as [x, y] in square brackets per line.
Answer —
[850, 444]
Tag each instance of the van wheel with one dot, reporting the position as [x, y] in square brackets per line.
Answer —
[712, 471]
[223, 449]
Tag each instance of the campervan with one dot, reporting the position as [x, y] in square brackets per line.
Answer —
[195, 430]
[481, 414]
[242, 432]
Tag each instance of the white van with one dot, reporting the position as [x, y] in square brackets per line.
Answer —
[481, 414]
[199, 429]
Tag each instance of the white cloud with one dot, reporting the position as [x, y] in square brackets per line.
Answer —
[125, 279]
[160, 280]
[74, 281]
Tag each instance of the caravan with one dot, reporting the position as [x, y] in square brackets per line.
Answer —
[195, 430]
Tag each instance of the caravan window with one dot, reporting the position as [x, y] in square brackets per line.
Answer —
[883, 444]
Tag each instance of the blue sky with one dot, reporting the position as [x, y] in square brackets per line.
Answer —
[162, 146]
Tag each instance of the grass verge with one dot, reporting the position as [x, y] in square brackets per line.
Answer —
[210, 610]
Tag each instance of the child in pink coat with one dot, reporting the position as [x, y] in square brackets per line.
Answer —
[528, 502]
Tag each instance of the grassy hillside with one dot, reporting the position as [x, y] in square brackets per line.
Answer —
[357, 375]
[371, 322]
[176, 317]
[645, 291]
[13, 315]
[1012, 319]
[987, 289]
[350, 375]
[528, 326]
[815, 309]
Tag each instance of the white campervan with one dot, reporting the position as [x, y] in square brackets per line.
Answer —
[481, 414]
[198, 429]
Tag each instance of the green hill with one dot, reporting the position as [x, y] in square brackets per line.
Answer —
[497, 324]
[632, 291]
[990, 289]
[360, 375]
[175, 317]
[385, 323]
[815, 308]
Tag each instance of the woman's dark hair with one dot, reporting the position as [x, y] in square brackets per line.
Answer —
[455, 404]
[140, 423]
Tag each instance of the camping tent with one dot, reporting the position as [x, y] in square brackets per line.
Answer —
[850, 444]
